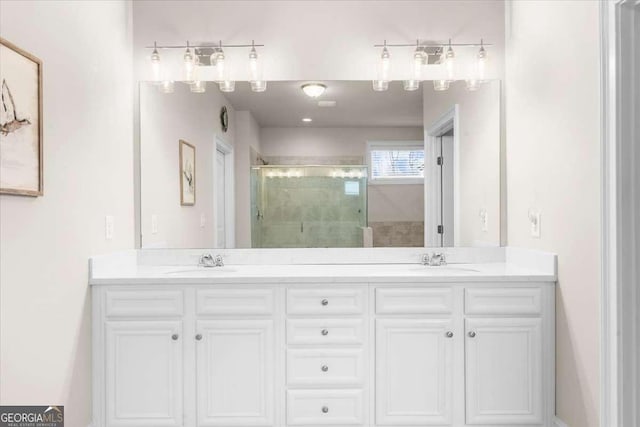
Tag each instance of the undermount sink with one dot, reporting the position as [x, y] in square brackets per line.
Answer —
[202, 270]
[442, 269]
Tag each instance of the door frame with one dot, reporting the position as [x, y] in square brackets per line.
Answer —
[229, 192]
[620, 223]
[450, 120]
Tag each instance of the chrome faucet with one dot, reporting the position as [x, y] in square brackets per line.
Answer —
[435, 259]
[208, 260]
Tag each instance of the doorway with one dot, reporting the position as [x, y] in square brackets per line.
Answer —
[223, 195]
[441, 181]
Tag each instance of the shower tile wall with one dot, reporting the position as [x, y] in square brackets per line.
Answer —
[398, 233]
[308, 211]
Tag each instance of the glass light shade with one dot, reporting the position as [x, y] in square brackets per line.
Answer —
[198, 86]
[227, 86]
[313, 90]
[449, 62]
[440, 85]
[166, 86]
[254, 65]
[258, 85]
[221, 67]
[411, 85]
[472, 84]
[189, 65]
[385, 65]
[481, 63]
[380, 85]
[155, 65]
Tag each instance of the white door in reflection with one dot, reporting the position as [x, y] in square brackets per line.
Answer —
[220, 197]
[445, 199]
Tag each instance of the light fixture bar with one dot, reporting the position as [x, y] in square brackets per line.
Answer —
[421, 45]
[214, 45]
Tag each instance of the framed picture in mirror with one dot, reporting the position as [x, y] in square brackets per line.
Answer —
[187, 173]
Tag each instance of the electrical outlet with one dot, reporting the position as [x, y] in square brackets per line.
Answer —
[154, 224]
[203, 220]
[534, 222]
[484, 220]
[109, 227]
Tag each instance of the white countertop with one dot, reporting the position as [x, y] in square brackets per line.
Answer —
[320, 273]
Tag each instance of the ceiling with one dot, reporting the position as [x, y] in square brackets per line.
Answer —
[284, 104]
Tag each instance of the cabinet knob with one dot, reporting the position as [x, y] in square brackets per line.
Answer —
[198, 337]
[472, 334]
[175, 337]
[325, 332]
[325, 368]
[325, 409]
[449, 334]
[325, 302]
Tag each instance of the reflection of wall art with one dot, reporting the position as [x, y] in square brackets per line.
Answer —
[20, 122]
[187, 174]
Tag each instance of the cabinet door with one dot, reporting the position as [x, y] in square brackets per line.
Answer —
[235, 368]
[413, 371]
[504, 371]
[144, 373]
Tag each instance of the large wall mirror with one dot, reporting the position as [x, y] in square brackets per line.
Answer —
[352, 167]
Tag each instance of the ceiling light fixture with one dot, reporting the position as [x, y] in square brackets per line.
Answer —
[307, 119]
[313, 90]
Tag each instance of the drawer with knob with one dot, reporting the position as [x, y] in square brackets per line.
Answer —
[325, 407]
[325, 331]
[326, 301]
[325, 367]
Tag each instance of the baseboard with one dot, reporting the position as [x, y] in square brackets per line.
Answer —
[557, 422]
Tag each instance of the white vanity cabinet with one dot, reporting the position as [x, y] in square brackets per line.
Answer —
[324, 354]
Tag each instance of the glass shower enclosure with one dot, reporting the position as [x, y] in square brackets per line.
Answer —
[308, 206]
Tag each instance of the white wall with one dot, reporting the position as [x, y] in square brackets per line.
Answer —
[45, 327]
[553, 159]
[479, 155]
[295, 32]
[164, 120]
[247, 137]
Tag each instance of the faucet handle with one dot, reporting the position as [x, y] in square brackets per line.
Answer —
[206, 260]
[219, 261]
[425, 259]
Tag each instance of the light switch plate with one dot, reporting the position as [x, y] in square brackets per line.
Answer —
[154, 224]
[203, 220]
[109, 227]
[534, 221]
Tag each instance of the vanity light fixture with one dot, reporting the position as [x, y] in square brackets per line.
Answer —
[380, 85]
[419, 59]
[313, 90]
[189, 64]
[384, 67]
[307, 119]
[155, 63]
[209, 54]
[472, 84]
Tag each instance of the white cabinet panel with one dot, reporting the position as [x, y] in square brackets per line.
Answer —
[324, 407]
[414, 371]
[325, 367]
[517, 301]
[325, 331]
[328, 301]
[235, 368]
[143, 303]
[143, 371]
[414, 301]
[503, 371]
[235, 301]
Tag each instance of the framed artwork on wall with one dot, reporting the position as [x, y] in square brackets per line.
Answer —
[187, 174]
[20, 122]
